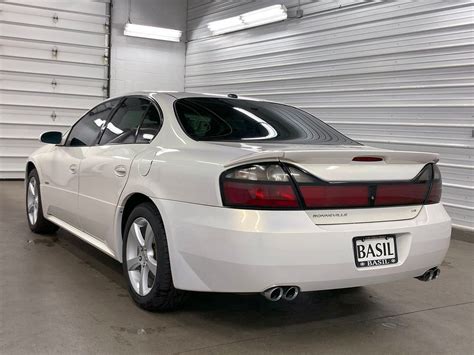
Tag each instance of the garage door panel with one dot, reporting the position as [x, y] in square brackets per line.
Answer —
[84, 7]
[45, 12]
[52, 84]
[11, 175]
[396, 80]
[47, 99]
[52, 52]
[36, 115]
[458, 195]
[307, 98]
[59, 87]
[47, 18]
[401, 114]
[35, 130]
[354, 66]
[52, 67]
[461, 175]
[14, 145]
[329, 48]
[419, 79]
[80, 49]
[46, 34]
[460, 216]
[22, 152]
[12, 163]
[13, 156]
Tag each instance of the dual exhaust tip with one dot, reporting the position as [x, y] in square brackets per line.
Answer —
[288, 293]
[431, 274]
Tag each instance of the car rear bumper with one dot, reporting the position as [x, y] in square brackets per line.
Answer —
[231, 250]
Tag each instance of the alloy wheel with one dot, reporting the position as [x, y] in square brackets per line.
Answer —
[32, 200]
[141, 256]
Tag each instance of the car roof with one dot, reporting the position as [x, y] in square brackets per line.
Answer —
[184, 94]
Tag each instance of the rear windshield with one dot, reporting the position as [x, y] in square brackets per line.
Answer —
[222, 119]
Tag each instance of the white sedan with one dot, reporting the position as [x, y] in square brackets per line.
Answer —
[225, 194]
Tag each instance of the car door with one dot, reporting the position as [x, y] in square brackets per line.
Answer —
[61, 170]
[105, 167]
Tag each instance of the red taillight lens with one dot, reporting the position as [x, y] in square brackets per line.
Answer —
[270, 186]
[248, 194]
[320, 194]
[327, 196]
[401, 194]
[259, 186]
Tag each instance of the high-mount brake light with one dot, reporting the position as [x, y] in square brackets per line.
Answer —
[259, 186]
[367, 159]
[275, 186]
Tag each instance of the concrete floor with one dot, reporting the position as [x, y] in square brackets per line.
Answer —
[59, 295]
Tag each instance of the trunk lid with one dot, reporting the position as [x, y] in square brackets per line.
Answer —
[336, 164]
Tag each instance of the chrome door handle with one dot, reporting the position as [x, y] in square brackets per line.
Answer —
[73, 168]
[120, 170]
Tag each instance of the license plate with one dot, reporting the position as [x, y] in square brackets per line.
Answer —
[375, 251]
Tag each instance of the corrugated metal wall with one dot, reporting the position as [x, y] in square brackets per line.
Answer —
[53, 67]
[392, 74]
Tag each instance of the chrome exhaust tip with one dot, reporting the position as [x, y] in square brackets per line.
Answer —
[273, 294]
[291, 293]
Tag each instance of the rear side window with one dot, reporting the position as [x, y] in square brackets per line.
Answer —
[150, 126]
[86, 131]
[221, 119]
[123, 126]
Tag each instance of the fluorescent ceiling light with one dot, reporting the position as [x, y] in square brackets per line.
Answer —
[250, 19]
[228, 25]
[164, 34]
[266, 15]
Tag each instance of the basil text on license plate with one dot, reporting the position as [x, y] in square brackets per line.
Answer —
[375, 251]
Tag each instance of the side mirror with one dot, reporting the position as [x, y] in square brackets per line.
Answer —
[51, 137]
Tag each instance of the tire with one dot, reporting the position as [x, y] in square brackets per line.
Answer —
[140, 255]
[34, 207]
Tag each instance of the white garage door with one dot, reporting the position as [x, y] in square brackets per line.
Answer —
[53, 67]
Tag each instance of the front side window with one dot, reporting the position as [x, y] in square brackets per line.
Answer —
[86, 131]
[123, 127]
[237, 120]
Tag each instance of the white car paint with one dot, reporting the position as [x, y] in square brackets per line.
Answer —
[216, 248]
[229, 250]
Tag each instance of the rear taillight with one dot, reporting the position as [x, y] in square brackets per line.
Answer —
[405, 193]
[259, 186]
[328, 196]
[401, 194]
[320, 194]
[275, 186]
[436, 187]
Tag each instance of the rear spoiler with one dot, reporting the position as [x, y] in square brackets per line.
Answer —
[336, 156]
